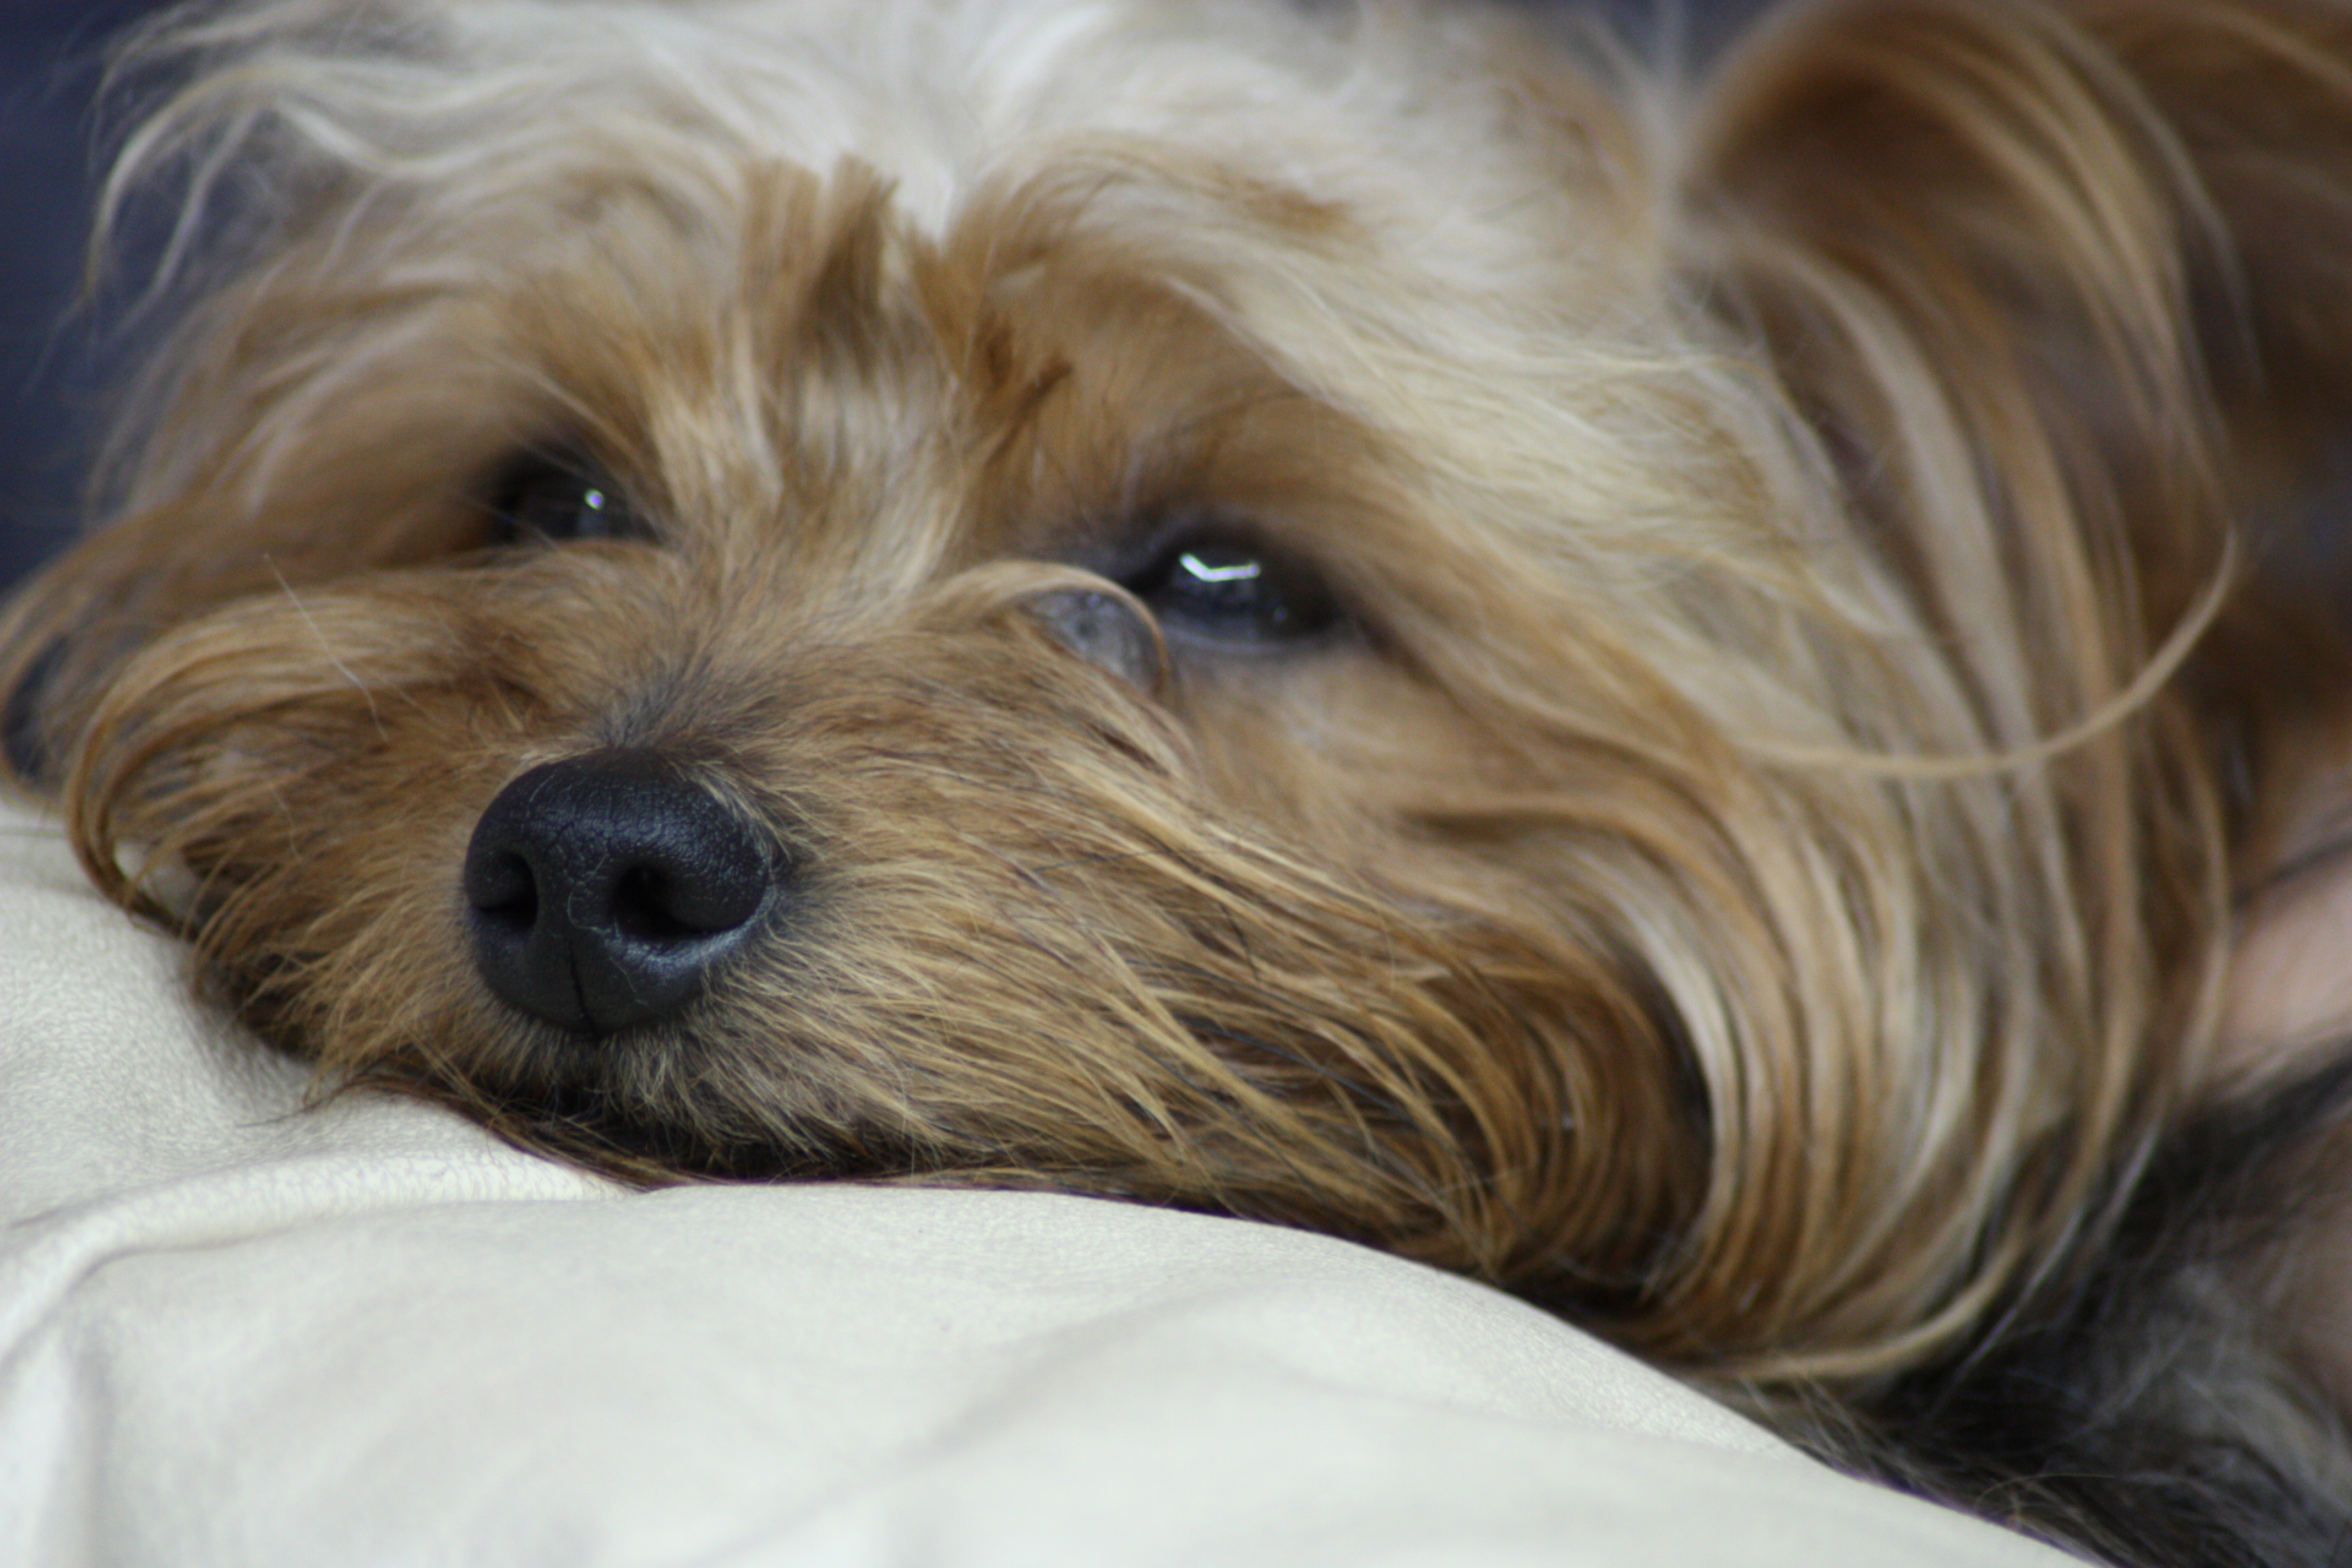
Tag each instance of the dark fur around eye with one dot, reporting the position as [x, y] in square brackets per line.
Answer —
[1216, 582]
[559, 498]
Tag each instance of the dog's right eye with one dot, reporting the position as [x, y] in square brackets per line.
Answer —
[559, 500]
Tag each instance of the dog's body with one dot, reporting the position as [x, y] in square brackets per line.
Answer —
[1357, 617]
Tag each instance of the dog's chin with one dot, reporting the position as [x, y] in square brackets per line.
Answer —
[653, 1105]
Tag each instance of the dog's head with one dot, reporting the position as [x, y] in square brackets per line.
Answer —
[1352, 616]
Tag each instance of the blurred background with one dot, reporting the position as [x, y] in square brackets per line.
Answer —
[56, 361]
[52, 365]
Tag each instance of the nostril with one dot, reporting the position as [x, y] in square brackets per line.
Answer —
[643, 907]
[656, 903]
[502, 890]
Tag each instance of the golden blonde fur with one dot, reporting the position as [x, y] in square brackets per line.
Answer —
[1751, 868]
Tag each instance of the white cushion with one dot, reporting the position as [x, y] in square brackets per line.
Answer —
[237, 1332]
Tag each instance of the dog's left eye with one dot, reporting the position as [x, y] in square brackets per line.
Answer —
[560, 500]
[1235, 591]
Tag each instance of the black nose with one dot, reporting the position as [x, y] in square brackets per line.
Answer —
[604, 890]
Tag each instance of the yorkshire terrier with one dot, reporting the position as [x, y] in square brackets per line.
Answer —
[1685, 698]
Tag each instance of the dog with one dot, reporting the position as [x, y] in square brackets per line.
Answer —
[1714, 697]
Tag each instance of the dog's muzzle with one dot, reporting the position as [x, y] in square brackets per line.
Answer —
[604, 889]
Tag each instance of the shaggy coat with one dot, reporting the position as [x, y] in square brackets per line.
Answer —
[1366, 615]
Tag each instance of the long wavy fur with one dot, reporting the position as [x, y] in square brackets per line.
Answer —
[1754, 870]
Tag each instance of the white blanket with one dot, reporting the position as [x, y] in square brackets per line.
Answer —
[234, 1331]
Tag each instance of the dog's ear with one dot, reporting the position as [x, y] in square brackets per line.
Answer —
[2066, 289]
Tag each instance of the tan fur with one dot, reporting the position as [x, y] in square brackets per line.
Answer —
[1755, 872]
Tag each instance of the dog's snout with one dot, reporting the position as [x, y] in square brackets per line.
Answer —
[602, 890]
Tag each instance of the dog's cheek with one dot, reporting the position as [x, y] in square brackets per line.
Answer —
[284, 783]
[1317, 747]
[1102, 981]
[321, 885]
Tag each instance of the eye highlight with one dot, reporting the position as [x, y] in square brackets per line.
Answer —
[559, 500]
[1220, 586]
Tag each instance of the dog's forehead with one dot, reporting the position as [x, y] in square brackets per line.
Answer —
[1396, 113]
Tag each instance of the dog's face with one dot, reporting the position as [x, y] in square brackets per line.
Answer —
[1287, 614]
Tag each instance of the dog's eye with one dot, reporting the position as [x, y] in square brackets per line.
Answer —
[561, 500]
[1232, 590]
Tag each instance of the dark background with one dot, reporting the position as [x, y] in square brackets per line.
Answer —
[56, 360]
[52, 360]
